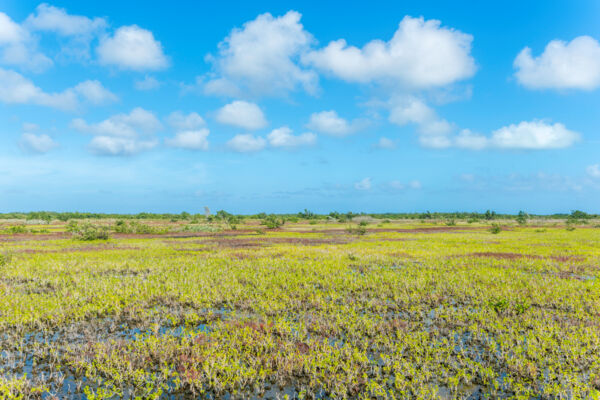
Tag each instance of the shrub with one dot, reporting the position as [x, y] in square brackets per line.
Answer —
[451, 222]
[272, 222]
[5, 259]
[16, 229]
[121, 227]
[522, 218]
[72, 226]
[89, 231]
[495, 229]
[359, 230]
[200, 228]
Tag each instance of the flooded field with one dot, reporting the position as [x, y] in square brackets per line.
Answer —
[310, 309]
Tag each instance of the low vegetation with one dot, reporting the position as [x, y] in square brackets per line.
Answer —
[184, 306]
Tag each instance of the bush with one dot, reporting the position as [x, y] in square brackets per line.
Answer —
[200, 228]
[89, 231]
[522, 218]
[495, 229]
[5, 259]
[451, 222]
[16, 229]
[272, 222]
[72, 226]
[359, 230]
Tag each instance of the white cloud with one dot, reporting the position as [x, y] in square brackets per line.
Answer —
[183, 122]
[533, 135]
[17, 47]
[283, 138]
[10, 31]
[385, 143]
[433, 130]
[121, 134]
[121, 125]
[469, 140]
[95, 93]
[246, 143]
[16, 89]
[331, 123]
[398, 185]
[242, 114]
[364, 184]
[191, 140]
[133, 48]
[53, 19]
[562, 65]
[33, 143]
[421, 54]
[119, 146]
[411, 110]
[148, 83]
[261, 58]
[593, 170]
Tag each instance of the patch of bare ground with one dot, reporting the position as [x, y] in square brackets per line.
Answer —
[268, 241]
[103, 247]
[430, 229]
[515, 256]
[22, 237]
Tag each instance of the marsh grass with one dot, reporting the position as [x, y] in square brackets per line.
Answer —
[407, 311]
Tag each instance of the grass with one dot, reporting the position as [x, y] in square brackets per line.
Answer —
[307, 310]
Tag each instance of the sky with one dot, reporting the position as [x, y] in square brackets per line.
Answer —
[271, 106]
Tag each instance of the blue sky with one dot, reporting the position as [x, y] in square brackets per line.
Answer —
[281, 106]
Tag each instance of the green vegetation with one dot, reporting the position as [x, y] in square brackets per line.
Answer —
[187, 307]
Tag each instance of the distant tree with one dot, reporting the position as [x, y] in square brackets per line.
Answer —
[522, 218]
[489, 215]
[306, 214]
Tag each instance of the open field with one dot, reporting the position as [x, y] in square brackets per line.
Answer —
[312, 309]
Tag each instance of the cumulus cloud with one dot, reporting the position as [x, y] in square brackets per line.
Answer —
[148, 83]
[593, 171]
[10, 31]
[261, 58]
[16, 89]
[411, 110]
[18, 47]
[95, 93]
[57, 20]
[118, 146]
[134, 48]
[421, 54]
[469, 140]
[183, 122]
[331, 123]
[562, 65]
[283, 138]
[364, 184]
[526, 135]
[433, 130]
[533, 135]
[123, 125]
[122, 134]
[39, 144]
[246, 143]
[242, 114]
[191, 140]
